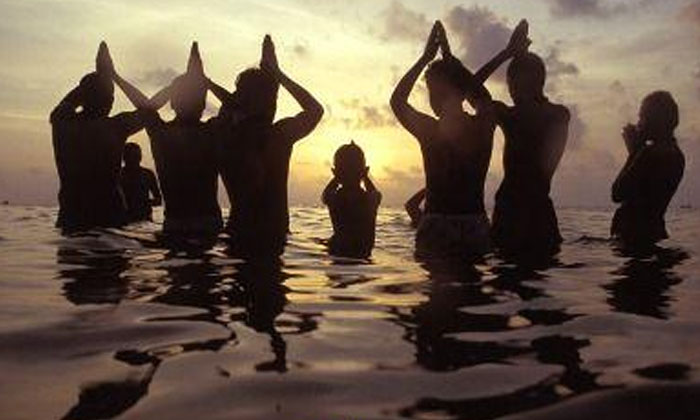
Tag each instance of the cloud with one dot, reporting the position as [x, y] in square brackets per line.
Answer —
[300, 50]
[159, 77]
[367, 116]
[691, 12]
[481, 34]
[557, 67]
[402, 23]
[577, 128]
[585, 8]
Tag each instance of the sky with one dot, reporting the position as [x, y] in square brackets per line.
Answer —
[603, 57]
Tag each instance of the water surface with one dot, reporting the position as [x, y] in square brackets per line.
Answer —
[109, 324]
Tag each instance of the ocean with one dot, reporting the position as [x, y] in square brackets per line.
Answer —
[108, 324]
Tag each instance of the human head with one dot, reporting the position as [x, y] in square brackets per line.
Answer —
[526, 76]
[658, 116]
[189, 91]
[256, 94]
[97, 94]
[349, 164]
[188, 96]
[448, 82]
[132, 154]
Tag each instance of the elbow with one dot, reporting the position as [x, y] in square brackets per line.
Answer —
[396, 103]
[616, 195]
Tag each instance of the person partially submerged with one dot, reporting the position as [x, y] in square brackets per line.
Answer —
[456, 149]
[88, 145]
[184, 151]
[651, 174]
[140, 186]
[256, 151]
[524, 222]
[352, 200]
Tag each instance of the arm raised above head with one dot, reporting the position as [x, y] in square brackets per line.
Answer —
[518, 43]
[223, 95]
[303, 123]
[68, 105]
[329, 191]
[415, 122]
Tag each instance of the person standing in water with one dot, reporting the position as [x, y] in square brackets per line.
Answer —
[256, 151]
[353, 209]
[88, 146]
[185, 153]
[456, 149]
[649, 179]
[536, 130]
[140, 186]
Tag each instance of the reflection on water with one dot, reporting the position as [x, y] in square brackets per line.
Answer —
[645, 281]
[138, 331]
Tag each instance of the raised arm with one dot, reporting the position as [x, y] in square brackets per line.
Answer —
[415, 122]
[68, 105]
[412, 206]
[631, 174]
[303, 123]
[519, 43]
[371, 189]
[329, 191]
[223, 95]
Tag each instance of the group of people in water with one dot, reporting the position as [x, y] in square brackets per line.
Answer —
[250, 150]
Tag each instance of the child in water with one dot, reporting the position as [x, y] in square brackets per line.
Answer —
[139, 185]
[353, 209]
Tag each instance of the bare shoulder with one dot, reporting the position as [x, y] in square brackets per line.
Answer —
[560, 112]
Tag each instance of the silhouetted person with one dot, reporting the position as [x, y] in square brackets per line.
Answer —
[536, 130]
[651, 174]
[456, 149]
[255, 154]
[88, 146]
[140, 186]
[414, 209]
[353, 209]
[185, 152]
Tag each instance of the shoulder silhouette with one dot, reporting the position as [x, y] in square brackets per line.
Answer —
[651, 174]
[140, 186]
[352, 201]
[456, 148]
[255, 154]
[88, 145]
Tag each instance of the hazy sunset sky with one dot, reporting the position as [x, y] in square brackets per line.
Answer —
[603, 56]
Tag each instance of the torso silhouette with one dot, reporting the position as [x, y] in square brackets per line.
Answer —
[658, 171]
[255, 168]
[185, 158]
[137, 182]
[353, 214]
[535, 137]
[456, 161]
[88, 154]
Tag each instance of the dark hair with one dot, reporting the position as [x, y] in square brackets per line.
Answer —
[451, 71]
[529, 65]
[661, 106]
[132, 152]
[350, 155]
[257, 89]
[188, 89]
[97, 90]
